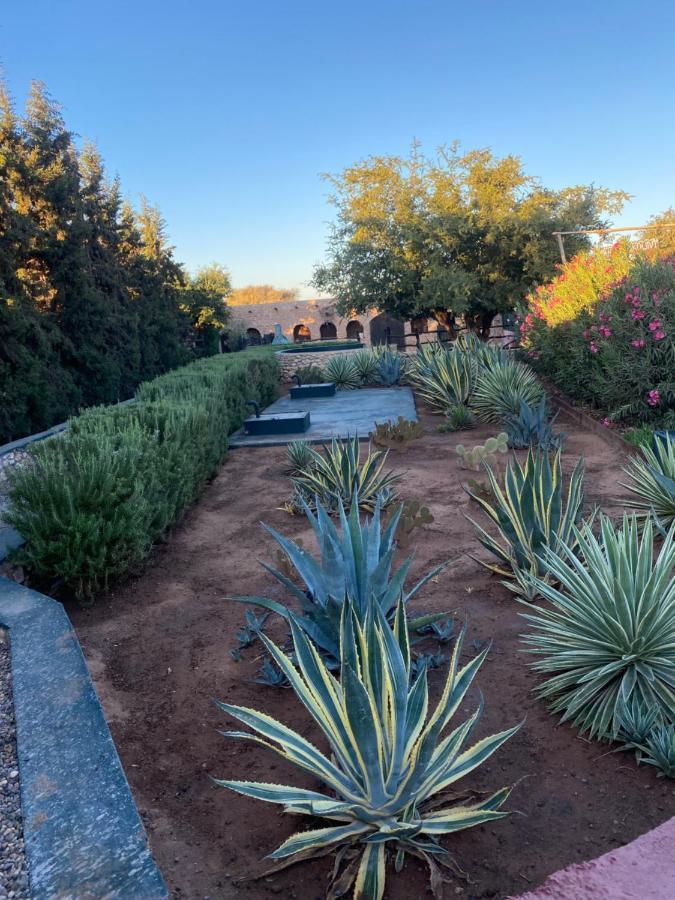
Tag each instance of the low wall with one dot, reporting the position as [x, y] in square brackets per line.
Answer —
[82, 832]
[291, 362]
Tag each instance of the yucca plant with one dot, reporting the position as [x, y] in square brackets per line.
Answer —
[338, 474]
[660, 749]
[390, 365]
[443, 378]
[609, 632]
[500, 389]
[341, 371]
[298, 456]
[531, 512]
[366, 366]
[355, 562]
[458, 418]
[652, 482]
[388, 758]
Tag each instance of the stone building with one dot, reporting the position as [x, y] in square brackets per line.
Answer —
[316, 320]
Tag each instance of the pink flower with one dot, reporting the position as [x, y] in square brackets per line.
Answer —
[638, 314]
[659, 335]
[654, 325]
[607, 422]
[605, 331]
[653, 398]
[593, 347]
[638, 343]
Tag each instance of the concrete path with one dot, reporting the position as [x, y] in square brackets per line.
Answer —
[642, 870]
[347, 413]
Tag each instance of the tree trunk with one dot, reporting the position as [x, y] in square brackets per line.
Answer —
[446, 320]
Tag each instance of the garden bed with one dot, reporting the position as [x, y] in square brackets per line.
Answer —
[159, 647]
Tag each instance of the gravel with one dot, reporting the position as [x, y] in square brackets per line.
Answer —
[13, 867]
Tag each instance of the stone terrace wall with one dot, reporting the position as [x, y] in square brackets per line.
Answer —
[311, 313]
[291, 362]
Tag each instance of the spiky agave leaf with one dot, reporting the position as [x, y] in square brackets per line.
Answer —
[340, 370]
[366, 365]
[443, 378]
[652, 482]
[388, 756]
[609, 632]
[531, 512]
[660, 749]
[338, 473]
[354, 561]
[502, 387]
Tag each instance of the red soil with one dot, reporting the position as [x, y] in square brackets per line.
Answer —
[158, 649]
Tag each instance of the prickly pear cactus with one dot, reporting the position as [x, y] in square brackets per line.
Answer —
[474, 457]
[413, 516]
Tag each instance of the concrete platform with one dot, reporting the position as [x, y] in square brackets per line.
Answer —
[347, 413]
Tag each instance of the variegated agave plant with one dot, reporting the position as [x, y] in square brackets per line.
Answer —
[338, 474]
[356, 562]
[531, 512]
[652, 482]
[443, 378]
[608, 635]
[388, 757]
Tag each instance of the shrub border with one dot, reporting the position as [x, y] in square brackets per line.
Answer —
[82, 832]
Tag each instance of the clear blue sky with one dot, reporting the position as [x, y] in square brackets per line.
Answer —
[225, 114]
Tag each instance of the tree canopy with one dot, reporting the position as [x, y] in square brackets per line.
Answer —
[456, 234]
[92, 300]
[261, 293]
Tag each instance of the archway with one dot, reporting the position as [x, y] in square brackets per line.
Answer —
[301, 333]
[385, 329]
[354, 330]
[328, 331]
[419, 325]
[254, 336]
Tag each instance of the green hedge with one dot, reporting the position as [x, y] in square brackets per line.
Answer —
[99, 496]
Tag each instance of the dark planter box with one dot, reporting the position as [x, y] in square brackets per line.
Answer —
[661, 438]
[282, 423]
[326, 389]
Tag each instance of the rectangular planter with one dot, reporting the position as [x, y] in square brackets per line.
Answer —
[326, 389]
[281, 423]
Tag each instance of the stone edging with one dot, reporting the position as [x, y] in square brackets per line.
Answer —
[582, 418]
[83, 834]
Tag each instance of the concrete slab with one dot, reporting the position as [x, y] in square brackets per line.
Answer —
[643, 869]
[347, 413]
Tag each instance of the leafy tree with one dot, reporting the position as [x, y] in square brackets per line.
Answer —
[92, 300]
[460, 234]
[261, 293]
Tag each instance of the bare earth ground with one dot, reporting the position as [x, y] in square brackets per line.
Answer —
[158, 649]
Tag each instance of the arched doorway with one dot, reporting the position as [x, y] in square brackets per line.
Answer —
[301, 333]
[254, 336]
[354, 330]
[385, 329]
[419, 325]
[328, 331]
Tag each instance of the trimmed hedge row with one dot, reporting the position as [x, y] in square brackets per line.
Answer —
[99, 496]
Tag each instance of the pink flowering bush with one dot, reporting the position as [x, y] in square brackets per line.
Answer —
[618, 353]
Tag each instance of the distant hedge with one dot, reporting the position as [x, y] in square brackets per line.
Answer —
[99, 496]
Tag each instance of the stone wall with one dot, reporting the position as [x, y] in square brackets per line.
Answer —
[291, 362]
[312, 314]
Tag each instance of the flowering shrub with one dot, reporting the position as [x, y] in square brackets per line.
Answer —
[581, 282]
[617, 353]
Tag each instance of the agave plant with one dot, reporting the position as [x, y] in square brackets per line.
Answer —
[531, 513]
[338, 474]
[660, 749]
[443, 378]
[500, 389]
[532, 427]
[609, 632]
[298, 456]
[390, 365]
[637, 723]
[458, 418]
[355, 562]
[366, 366]
[340, 370]
[388, 758]
[653, 482]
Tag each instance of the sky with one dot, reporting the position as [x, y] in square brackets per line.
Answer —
[226, 114]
